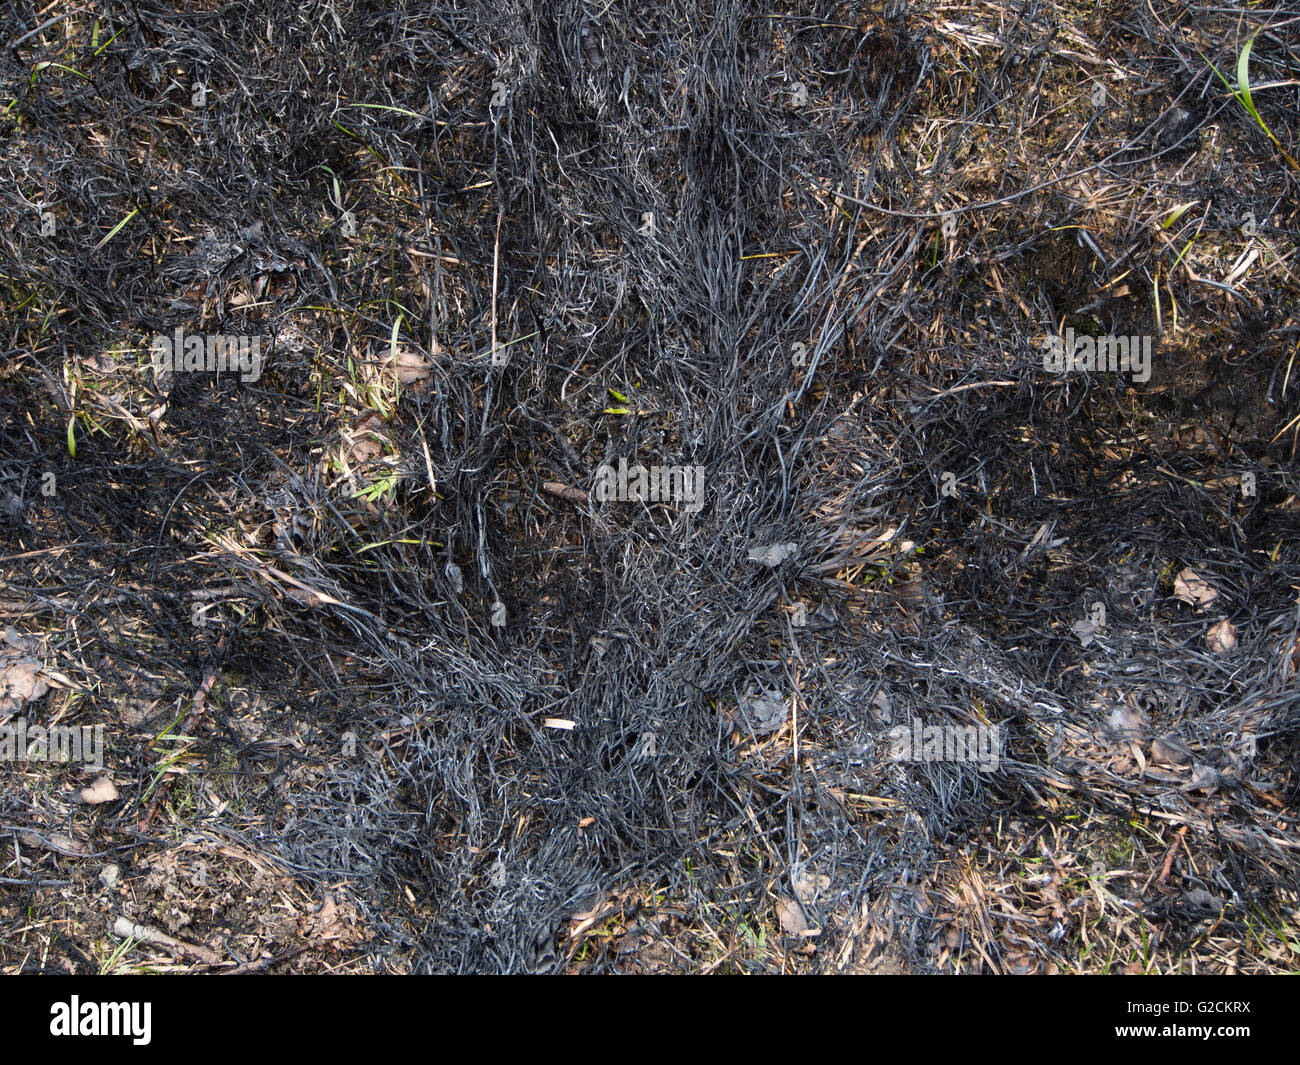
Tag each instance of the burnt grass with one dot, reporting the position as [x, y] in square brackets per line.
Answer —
[386, 688]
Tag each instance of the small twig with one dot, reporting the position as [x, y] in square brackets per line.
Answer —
[496, 251]
[20, 607]
[564, 491]
[973, 384]
[1169, 857]
[262, 963]
[128, 929]
[33, 883]
[43, 26]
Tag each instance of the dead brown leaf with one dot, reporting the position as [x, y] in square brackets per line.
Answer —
[412, 368]
[1221, 638]
[808, 886]
[1194, 590]
[20, 668]
[1170, 749]
[1127, 722]
[792, 918]
[363, 446]
[58, 843]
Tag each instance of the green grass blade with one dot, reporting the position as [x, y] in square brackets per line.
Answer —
[117, 228]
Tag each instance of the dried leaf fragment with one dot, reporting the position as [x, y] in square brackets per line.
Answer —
[772, 554]
[1172, 750]
[1221, 638]
[58, 843]
[808, 886]
[765, 712]
[1204, 778]
[793, 921]
[20, 679]
[1193, 589]
[411, 367]
[1126, 722]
